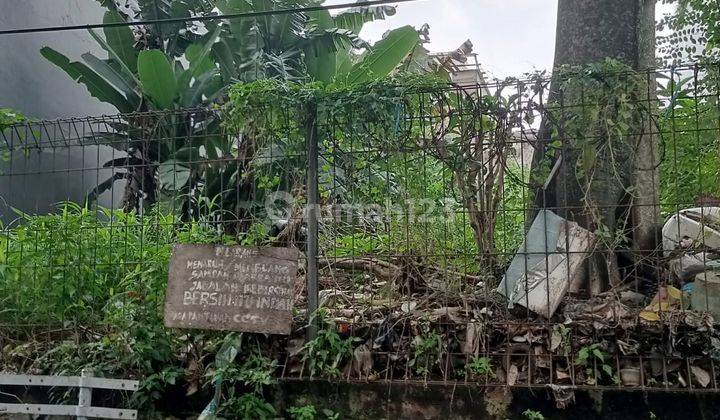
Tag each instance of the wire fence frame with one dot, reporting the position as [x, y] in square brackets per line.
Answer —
[356, 257]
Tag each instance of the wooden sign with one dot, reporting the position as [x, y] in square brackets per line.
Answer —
[231, 288]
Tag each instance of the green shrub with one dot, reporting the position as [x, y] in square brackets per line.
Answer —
[101, 274]
[305, 412]
[85, 266]
[325, 353]
[481, 366]
[248, 407]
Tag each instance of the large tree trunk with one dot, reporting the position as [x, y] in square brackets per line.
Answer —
[589, 31]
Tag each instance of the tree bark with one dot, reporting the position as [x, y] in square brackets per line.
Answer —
[590, 31]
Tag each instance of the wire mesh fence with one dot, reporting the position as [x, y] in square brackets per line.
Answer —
[520, 233]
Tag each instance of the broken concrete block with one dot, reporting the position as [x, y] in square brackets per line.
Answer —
[548, 261]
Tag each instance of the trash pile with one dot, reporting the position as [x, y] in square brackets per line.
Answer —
[691, 243]
[531, 330]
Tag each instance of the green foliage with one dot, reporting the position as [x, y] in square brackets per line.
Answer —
[533, 415]
[427, 348]
[600, 107]
[690, 168]
[481, 366]
[385, 55]
[512, 211]
[325, 353]
[247, 407]
[377, 100]
[593, 359]
[309, 412]
[256, 373]
[598, 119]
[54, 259]
[182, 65]
[565, 343]
[157, 78]
[305, 412]
[691, 32]
[359, 244]
[71, 262]
[8, 117]
[368, 116]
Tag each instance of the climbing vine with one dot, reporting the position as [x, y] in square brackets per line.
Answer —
[597, 121]
[8, 117]
[368, 131]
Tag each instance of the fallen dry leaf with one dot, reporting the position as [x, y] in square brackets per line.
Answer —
[561, 375]
[650, 316]
[701, 375]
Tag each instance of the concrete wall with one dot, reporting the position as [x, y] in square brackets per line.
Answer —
[34, 182]
[30, 83]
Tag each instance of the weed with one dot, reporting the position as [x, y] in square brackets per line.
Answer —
[330, 415]
[533, 415]
[427, 348]
[592, 356]
[72, 263]
[481, 366]
[326, 351]
[305, 412]
[255, 373]
[247, 407]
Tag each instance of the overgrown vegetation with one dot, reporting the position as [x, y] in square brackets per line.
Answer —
[466, 179]
[688, 124]
[184, 66]
[593, 359]
[601, 128]
[325, 354]
[103, 300]
[428, 348]
[9, 117]
[439, 155]
[481, 367]
[533, 415]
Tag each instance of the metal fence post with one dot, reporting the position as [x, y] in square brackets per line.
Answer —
[312, 218]
[85, 393]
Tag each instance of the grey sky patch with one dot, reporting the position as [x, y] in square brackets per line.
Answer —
[511, 37]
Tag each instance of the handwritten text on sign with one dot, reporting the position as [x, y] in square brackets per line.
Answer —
[231, 288]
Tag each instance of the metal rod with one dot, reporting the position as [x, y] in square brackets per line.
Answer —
[312, 219]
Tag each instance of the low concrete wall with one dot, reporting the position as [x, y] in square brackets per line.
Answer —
[398, 401]
[376, 401]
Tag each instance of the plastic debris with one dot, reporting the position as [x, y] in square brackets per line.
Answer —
[547, 263]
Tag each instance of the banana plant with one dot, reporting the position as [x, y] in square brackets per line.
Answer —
[185, 65]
